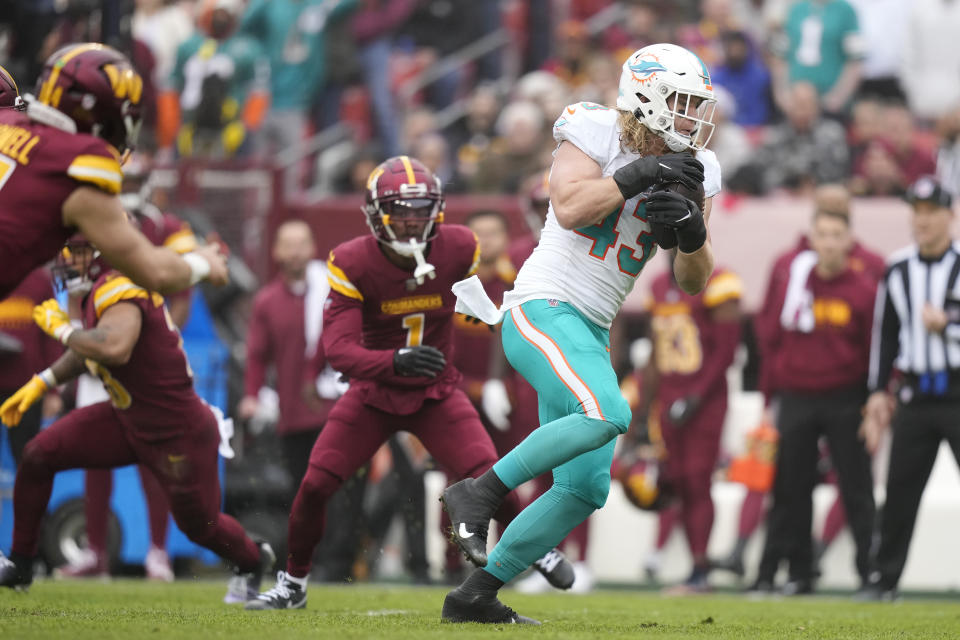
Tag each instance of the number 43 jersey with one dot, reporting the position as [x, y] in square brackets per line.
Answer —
[595, 267]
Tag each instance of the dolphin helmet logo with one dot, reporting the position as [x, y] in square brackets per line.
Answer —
[645, 70]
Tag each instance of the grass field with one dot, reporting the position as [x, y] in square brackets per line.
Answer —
[138, 609]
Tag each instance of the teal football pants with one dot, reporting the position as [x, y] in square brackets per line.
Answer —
[567, 360]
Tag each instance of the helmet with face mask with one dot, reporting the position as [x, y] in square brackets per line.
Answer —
[9, 93]
[402, 190]
[662, 82]
[78, 265]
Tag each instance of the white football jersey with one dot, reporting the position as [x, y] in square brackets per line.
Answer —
[594, 268]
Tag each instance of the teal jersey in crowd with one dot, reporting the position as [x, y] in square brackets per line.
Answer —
[292, 33]
[214, 78]
[822, 36]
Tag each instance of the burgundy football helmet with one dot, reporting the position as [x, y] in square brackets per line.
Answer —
[402, 189]
[97, 87]
[9, 93]
[78, 265]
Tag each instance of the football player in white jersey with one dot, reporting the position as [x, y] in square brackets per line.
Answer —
[608, 212]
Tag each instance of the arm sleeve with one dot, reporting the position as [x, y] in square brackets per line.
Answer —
[258, 352]
[342, 342]
[884, 341]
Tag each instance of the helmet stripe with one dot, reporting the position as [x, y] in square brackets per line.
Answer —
[46, 92]
[6, 74]
[409, 169]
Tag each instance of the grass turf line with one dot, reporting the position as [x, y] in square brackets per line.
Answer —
[185, 609]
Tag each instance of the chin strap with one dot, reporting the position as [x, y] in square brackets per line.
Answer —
[424, 268]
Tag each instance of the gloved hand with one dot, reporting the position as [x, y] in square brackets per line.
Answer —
[422, 360]
[672, 210]
[682, 409]
[53, 320]
[16, 405]
[495, 403]
[643, 173]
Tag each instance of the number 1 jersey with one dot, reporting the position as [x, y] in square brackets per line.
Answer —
[594, 267]
[375, 308]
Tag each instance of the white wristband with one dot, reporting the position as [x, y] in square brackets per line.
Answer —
[199, 267]
[48, 378]
[63, 333]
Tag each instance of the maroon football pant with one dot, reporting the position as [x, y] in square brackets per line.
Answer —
[692, 450]
[450, 429]
[98, 486]
[185, 466]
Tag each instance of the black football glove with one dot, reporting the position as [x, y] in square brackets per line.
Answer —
[672, 210]
[643, 173]
[418, 361]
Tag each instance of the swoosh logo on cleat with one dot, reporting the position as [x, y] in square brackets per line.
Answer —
[463, 531]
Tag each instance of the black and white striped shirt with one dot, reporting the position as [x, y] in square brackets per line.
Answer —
[899, 338]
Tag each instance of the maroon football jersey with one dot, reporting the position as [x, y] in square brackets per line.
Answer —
[154, 389]
[394, 312]
[40, 166]
[684, 335]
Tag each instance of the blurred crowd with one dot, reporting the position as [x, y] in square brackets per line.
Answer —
[810, 91]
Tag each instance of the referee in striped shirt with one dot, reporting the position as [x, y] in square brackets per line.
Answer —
[916, 331]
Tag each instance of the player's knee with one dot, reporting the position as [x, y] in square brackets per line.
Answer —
[597, 488]
[34, 459]
[591, 487]
[618, 413]
[318, 485]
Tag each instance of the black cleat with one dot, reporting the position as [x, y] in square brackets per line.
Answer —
[286, 594]
[473, 607]
[798, 587]
[555, 567]
[470, 518]
[15, 575]
[244, 587]
[762, 587]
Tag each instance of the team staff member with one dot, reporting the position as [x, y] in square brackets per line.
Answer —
[917, 331]
[817, 351]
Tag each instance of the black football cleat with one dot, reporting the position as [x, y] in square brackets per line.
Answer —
[285, 594]
[486, 609]
[470, 519]
[555, 567]
[15, 573]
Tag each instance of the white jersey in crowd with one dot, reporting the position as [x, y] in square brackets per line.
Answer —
[594, 268]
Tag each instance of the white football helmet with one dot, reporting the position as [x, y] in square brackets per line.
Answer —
[661, 82]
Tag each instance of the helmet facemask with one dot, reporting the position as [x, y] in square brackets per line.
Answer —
[77, 267]
[685, 105]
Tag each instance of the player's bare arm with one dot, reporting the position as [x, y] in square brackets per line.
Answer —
[102, 220]
[580, 195]
[112, 341]
[692, 270]
[68, 366]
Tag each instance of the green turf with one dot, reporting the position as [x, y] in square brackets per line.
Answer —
[137, 609]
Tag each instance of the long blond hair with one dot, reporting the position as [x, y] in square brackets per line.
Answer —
[635, 137]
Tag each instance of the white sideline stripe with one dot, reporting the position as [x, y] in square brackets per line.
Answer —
[580, 390]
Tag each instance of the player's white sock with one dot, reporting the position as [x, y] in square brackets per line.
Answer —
[301, 582]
